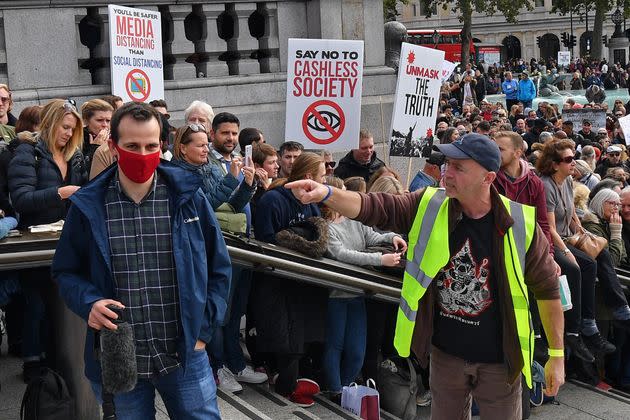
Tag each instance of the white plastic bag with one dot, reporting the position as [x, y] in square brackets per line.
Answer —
[362, 400]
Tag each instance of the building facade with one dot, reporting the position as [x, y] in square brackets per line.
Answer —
[536, 35]
[231, 54]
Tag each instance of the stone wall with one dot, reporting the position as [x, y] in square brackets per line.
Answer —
[230, 54]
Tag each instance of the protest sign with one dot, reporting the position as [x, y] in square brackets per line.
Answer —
[447, 70]
[417, 100]
[324, 85]
[564, 58]
[597, 117]
[135, 47]
[624, 123]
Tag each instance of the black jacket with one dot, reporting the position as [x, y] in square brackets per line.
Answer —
[34, 178]
[88, 148]
[6, 154]
[349, 167]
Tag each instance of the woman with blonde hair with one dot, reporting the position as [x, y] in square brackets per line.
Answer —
[46, 170]
[286, 313]
[383, 171]
[387, 184]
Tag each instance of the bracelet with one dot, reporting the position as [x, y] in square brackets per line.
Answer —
[555, 352]
[566, 251]
[327, 195]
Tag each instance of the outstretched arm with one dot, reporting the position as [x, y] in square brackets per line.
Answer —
[348, 203]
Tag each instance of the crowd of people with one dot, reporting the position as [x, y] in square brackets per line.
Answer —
[145, 202]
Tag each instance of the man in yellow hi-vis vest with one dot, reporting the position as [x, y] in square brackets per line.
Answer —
[473, 255]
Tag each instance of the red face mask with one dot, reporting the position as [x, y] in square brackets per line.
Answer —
[137, 167]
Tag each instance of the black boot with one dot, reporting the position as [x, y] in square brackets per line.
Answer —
[598, 344]
[575, 343]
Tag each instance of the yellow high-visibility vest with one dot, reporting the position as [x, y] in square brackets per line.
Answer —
[429, 252]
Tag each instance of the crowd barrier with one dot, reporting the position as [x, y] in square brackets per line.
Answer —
[37, 250]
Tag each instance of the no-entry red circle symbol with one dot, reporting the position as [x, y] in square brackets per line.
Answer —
[323, 122]
[138, 85]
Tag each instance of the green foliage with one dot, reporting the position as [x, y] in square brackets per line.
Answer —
[508, 8]
[389, 9]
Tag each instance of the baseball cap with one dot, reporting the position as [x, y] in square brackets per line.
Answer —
[476, 147]
[586, 122]
[613, 149]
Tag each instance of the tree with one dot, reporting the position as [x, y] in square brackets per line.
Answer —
[389, 9]
[602, 8]
[509, 8]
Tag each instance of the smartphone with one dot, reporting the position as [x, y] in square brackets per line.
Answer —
[248, 155]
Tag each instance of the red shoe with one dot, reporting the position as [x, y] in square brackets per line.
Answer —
[306, 387]
[304, 401]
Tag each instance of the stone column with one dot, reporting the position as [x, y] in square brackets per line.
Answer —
[53, 63]
[245, 41]
[4, 77]
[215, 46]
[181, 47]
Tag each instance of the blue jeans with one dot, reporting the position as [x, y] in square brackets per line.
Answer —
[225, 348]
[188, 396]
[6, 224]
[345, 341]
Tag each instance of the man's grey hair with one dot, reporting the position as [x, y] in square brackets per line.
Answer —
[201, 107]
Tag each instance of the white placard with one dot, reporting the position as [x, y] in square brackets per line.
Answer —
[564, 58]
[417, 99]
[624, 123]
[447, 69]
[324, 85]
[135, 49]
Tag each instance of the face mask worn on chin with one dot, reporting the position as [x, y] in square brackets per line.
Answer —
[138, 168]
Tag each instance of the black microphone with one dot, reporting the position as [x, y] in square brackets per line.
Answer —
[118, 356]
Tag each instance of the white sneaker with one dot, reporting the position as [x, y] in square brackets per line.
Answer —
[249, 376]
[227, 382]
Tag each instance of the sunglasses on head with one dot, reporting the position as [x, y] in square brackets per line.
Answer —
[70, 106]
[566, 159]
[331, 164]
[196, 128]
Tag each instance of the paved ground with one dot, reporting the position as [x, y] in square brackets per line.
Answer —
[259, 403]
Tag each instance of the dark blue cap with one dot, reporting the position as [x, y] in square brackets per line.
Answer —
[476, 147]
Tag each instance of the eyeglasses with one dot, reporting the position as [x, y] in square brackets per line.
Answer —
[566, 159]
[331, 164]
[196, 128]
[613, 203]
[5, 99]
[70, 106]
[614, 154]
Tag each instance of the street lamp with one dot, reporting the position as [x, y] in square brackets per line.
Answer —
[617, 19]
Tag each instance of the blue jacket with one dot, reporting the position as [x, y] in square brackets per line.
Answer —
[526, 90]
[278, 209]
[509, 88]
[82, 261]
[218, 188]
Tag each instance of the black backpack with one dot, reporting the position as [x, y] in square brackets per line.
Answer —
[47, 398]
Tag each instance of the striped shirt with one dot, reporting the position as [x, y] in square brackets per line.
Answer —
[145, 280]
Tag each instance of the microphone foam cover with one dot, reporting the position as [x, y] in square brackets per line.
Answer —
[118, 359]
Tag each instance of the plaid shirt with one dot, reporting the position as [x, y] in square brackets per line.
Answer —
[144, 274]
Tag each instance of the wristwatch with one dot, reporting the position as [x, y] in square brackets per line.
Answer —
[566, 251]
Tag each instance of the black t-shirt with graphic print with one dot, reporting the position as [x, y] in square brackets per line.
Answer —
[467, 316]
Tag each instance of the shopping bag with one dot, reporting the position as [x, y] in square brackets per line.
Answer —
[362, 400]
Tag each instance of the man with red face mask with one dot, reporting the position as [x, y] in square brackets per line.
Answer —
[143, 237]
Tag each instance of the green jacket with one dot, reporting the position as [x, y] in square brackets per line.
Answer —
[7, 132]
[595, 225]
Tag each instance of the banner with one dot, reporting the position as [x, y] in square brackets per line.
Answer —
[564, 58]
[624, 124]
[324, 85]
[135, 48]
[597, 117]
[417, 99]
[447, 70]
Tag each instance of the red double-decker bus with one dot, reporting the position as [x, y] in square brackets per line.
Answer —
[449, 41]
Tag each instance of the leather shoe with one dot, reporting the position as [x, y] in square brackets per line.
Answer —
[575, 343]
[598, 344]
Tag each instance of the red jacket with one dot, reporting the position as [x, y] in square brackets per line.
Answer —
[527, 189]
